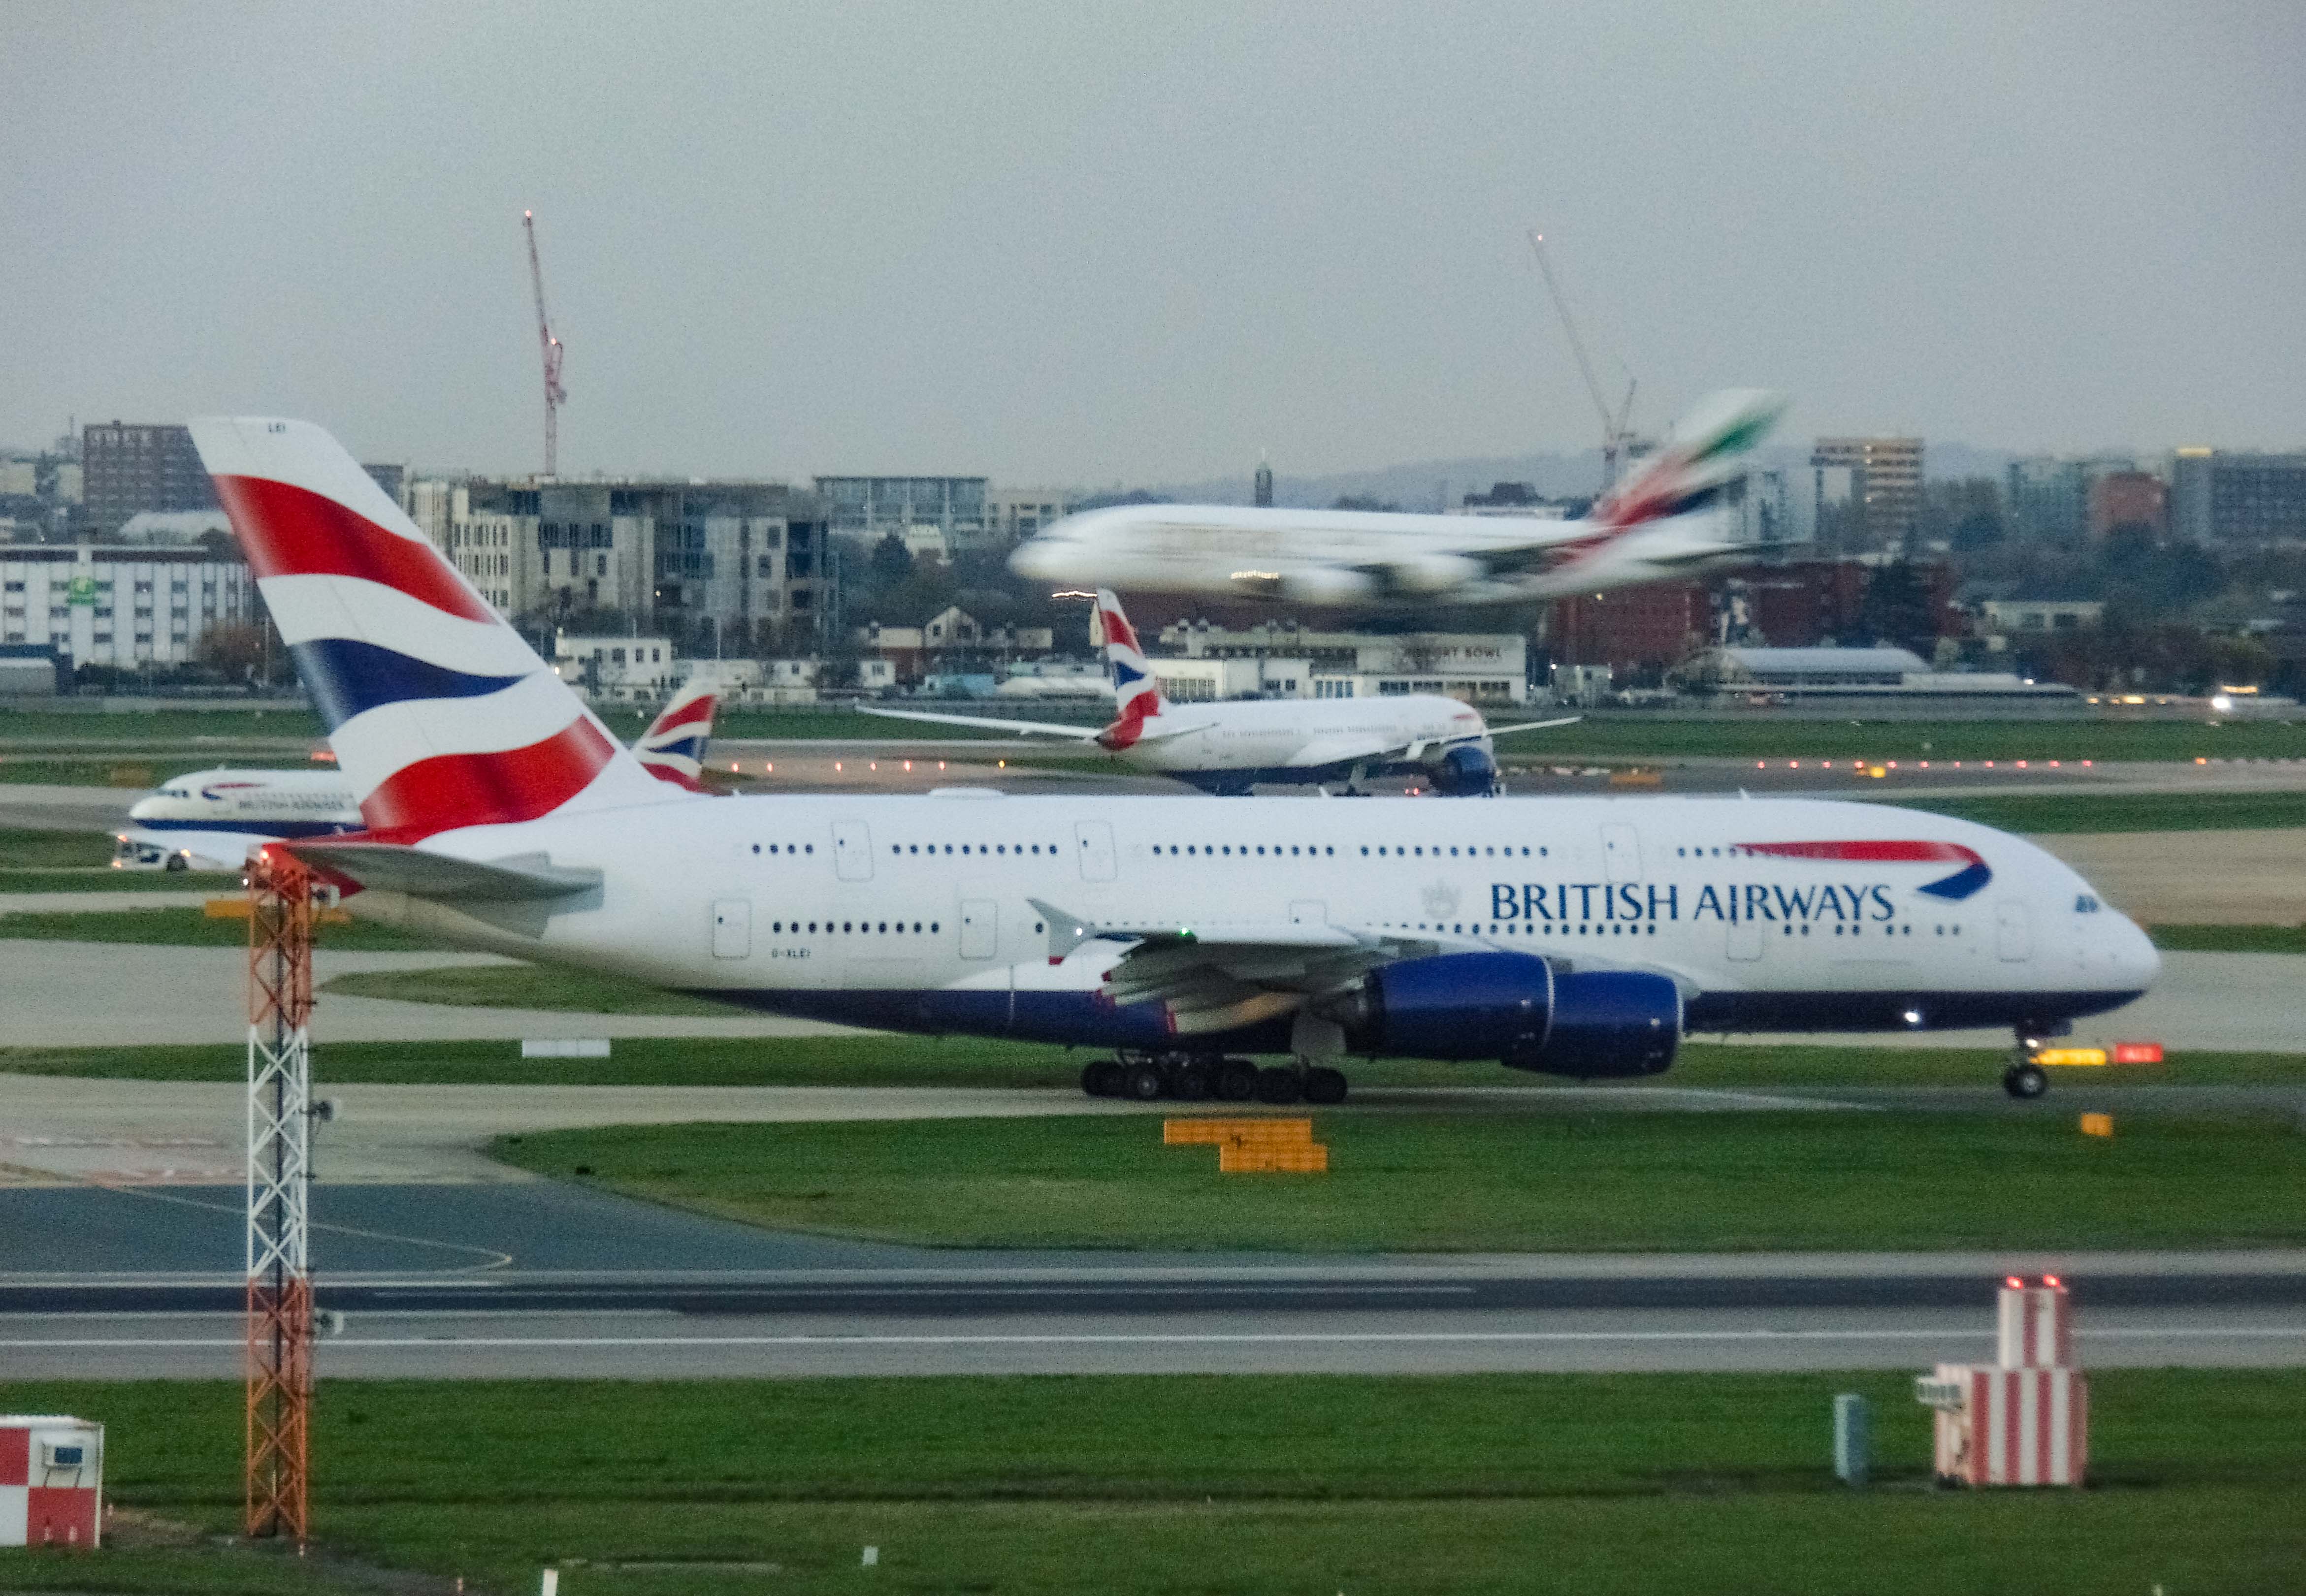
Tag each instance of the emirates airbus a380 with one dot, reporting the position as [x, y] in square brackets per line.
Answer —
[1579, 936]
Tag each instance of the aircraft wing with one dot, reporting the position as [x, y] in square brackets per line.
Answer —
[1085, 734]
[1218, 975]
[395, 867]
[1533, 726]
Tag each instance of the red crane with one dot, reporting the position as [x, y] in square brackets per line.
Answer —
[549, 347]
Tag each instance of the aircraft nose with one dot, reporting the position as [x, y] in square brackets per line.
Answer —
[1042, 559]
[2135, 956]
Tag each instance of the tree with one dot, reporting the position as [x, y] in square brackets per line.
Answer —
[1366, 501]
[1897, 609]
[889, 564]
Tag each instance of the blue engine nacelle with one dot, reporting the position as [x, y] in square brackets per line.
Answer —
[1513, 1008]
[1465, 770]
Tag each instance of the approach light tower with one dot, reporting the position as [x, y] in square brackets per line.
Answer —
[549, 347]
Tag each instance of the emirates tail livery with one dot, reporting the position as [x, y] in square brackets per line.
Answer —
[1672, 518]
[1578, 936]
[1229, 747]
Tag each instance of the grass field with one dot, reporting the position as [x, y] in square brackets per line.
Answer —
[1773, 738]
[191, 927]
[1592, 1483]
[523, 987]
[2116, 811]
[970, 1061]
[2231, 939]
[1482, 1181]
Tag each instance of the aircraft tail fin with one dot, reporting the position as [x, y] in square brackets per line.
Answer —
[1694, 471]
[1137, 693]
[441, 716]
[672, 749]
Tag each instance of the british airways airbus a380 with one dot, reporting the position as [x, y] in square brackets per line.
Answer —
[1578, 936]
[1230, 747]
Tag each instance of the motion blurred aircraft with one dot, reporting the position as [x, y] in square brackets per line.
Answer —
[1672, 518]
[1579, 936]
[1229, 747]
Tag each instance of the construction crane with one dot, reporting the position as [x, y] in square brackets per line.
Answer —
[549, 347]
[1617, 437]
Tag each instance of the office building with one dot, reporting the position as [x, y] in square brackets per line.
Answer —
[107, 606]
[730, 568]
[869, 508]
[2128, 499]
[126, 468]
[1886, 485]
[2223, 497]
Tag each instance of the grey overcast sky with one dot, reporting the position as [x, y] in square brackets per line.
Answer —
[1080, 243]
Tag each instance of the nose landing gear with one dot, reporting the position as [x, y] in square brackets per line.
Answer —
[2025, 1079]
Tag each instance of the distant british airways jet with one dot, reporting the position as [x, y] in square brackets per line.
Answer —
[1579, 936]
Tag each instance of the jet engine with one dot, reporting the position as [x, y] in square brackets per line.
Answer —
[1513, 1008]
[1428, 574]
[1465, 770]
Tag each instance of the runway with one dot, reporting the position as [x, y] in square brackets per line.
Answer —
[535, 1278]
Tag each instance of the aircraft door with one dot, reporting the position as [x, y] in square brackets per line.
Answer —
[1093, 846]
[732, 927]
[1621, 853]
[1745, 941]
[980, 927]
[2013, 933]
[852, 850]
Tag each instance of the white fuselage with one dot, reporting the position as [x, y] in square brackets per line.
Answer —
[1306, 735]
[210, 819]
[913, 912]
[1362, 558]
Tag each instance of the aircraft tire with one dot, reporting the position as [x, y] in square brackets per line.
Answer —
[2025, 1080]
[1143, 1083]
[1102, 1079]
[1325, 1087]
[1277, 1085]
[1236, 1081]
[1191, 1082]
[177, 861]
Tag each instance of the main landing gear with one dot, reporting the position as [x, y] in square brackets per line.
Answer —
[1196, 1078]
[2025, 1079]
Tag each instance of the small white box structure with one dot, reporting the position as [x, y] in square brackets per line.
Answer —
[2024, 1419]
[51, 1480]
[558, 1048]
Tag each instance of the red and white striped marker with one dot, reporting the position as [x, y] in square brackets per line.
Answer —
[2014, 1425]
[2035, 1326]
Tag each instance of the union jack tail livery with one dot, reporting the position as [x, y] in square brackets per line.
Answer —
[440, 716]
[1136, 694]
[673, 749]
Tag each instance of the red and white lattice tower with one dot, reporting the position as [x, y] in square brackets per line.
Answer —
[279, 1188]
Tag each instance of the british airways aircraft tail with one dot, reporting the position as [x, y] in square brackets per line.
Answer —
[672, 749]
[440, 716]
[1137, 696]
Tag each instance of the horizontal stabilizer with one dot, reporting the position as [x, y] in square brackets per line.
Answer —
[395, 867]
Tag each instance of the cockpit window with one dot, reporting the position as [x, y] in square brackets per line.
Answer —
[2085, 905]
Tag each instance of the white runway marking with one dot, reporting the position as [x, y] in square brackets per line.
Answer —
[2171, 1333]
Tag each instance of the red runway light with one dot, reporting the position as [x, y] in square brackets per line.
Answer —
[2013, 1283]
[2050, 1280]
